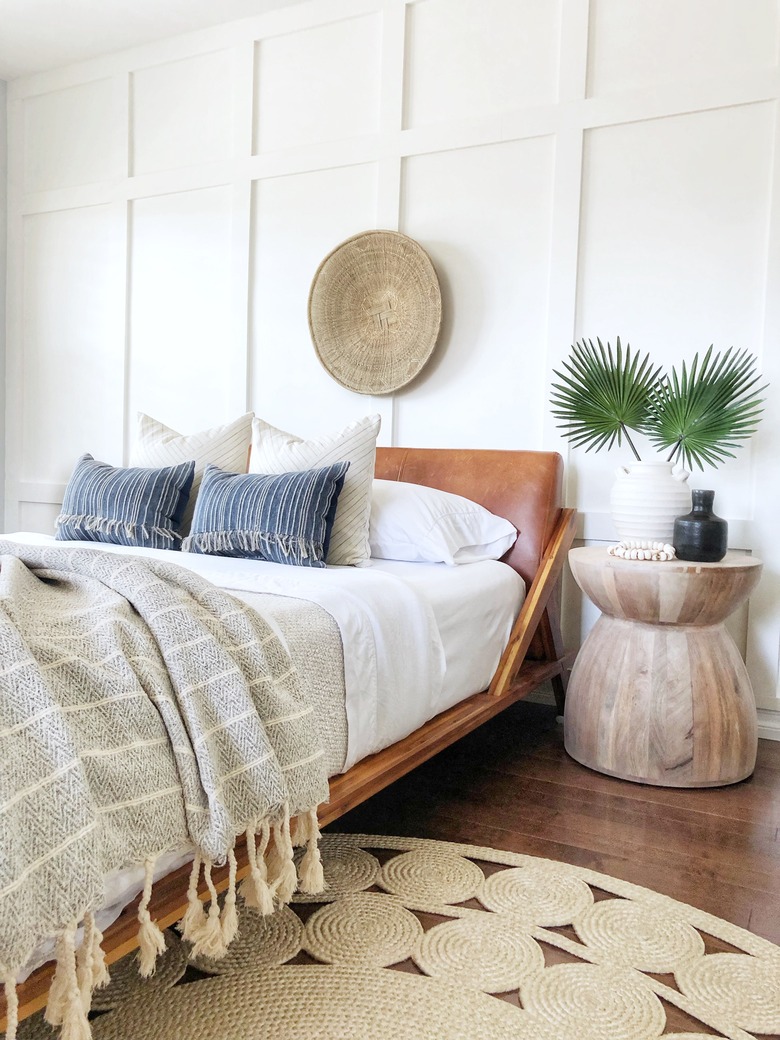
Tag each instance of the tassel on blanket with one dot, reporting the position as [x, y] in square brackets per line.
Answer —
[91, 970]
[254, 888]
[194, 920]
[11, 1002]
[311, 876]
[229, 917]
[151, 941]
[209, 942]
[65, 1006]
[282, 876]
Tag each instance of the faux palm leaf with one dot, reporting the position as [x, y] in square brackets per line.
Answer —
[602, 395]
[707, 410]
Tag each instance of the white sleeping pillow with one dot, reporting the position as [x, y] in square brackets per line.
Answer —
[424, 525]
[274, 451]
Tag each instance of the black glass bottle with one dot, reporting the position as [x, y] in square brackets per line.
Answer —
[700, 535]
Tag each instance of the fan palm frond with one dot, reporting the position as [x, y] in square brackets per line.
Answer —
[705, 411]
[602, 395]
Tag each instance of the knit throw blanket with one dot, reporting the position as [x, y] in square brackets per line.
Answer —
[142, 710]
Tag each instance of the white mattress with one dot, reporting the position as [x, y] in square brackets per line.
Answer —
[439, 645]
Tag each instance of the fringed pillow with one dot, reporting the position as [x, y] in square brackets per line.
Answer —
[284, 518]
[130, 506]
[274, 451]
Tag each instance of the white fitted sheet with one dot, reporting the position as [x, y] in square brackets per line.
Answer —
[475, 606]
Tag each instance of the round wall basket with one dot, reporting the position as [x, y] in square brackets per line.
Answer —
[375, 311]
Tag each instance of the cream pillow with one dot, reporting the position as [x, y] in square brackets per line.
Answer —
[224, 446]
[274, 451]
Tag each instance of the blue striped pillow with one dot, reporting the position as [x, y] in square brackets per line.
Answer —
[284, 518]
[130, 506]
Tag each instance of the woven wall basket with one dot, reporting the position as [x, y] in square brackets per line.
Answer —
[375, 311]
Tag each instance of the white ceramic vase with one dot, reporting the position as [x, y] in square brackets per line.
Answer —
[646, 497]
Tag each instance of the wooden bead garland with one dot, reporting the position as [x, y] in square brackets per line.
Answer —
[633, 549]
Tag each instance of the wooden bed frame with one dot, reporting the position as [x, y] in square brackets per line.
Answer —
[526, 488]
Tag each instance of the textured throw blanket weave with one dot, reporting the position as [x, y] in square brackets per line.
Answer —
[141, 710]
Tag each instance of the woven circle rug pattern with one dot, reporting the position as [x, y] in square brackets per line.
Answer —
[375, 311]
[426, 940]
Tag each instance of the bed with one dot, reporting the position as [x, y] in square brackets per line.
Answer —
[523, 487]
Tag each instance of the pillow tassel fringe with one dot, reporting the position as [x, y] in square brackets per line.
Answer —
[11, 1002]
[109, 526]
[254, 888]
[151, 940]
[214, 542]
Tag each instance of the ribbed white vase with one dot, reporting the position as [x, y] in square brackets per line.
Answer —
[646, 497]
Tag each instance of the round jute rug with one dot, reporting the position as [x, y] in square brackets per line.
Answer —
[427, 940]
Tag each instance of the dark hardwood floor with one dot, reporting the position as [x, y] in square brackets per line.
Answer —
[511, 785]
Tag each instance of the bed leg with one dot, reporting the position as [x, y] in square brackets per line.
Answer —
[552, 641]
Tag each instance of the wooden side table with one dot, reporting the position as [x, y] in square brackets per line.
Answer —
[659, 693]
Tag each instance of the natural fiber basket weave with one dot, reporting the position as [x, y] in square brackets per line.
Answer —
[375, 311]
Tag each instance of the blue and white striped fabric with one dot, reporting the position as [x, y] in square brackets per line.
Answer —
[130, 506]
[284, 518]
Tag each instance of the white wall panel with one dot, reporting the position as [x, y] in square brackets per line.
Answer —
[473, 58]
[633, 200]
[321, 84]
[673, 255]
[38, 516]
[639, 44]
[492, 256]
[73, 314]
[75, 136]
[182, 112]
[297, 221]
[182, 356]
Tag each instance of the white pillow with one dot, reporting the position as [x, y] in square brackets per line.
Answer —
[424, 525]
[224, 446]
[274, 451]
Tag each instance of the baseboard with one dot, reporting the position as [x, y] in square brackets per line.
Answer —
[768, 724]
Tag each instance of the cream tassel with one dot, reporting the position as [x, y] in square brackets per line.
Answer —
[209, 942]
[65, 1005]
[284, 878]
[151, 941]
[11, 1003]
[254, 888]
[229, 917]
[194, 920]
[312, 878]
[91, 970]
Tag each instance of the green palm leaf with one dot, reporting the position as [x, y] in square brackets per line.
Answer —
[707, 410]
[602, 395]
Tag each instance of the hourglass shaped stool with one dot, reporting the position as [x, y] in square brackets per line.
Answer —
[659, 693]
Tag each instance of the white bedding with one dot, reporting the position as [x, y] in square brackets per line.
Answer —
[408, 636]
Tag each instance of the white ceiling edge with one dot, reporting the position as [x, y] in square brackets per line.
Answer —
[40, 35]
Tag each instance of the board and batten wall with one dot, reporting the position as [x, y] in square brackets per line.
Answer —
[575, 168]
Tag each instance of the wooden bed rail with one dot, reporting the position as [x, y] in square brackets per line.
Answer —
[516, 676]
[537, 606]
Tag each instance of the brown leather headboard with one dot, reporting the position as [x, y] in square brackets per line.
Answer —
[525, 487]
